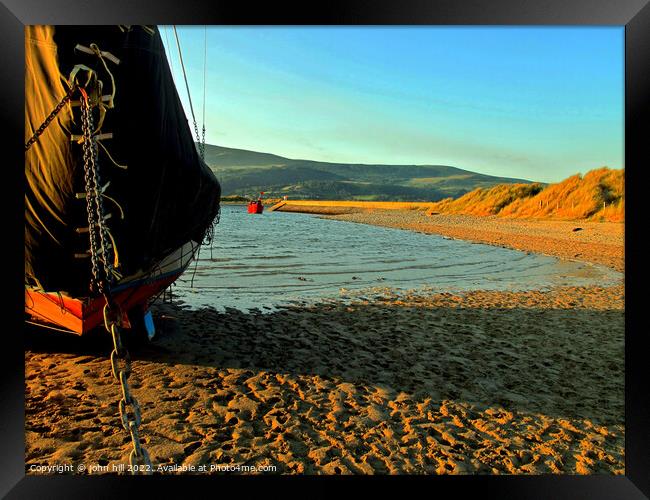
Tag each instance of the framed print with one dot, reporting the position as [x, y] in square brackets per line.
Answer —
[400, 244]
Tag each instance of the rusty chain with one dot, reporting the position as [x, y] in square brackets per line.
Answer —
[90, 178]
[128, 406]
[99, 246]
[51, 116]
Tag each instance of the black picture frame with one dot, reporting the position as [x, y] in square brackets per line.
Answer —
[633, 14]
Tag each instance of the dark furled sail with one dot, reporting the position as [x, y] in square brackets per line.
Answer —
[164, 198]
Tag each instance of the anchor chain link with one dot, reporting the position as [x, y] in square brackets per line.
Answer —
[57, 109]
[102, 278]
[90, 178]
[128, 405]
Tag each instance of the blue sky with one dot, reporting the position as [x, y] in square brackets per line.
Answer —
[539, 103]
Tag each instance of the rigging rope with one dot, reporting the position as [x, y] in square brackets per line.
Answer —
[200, 139]
[189, 97]
[205, 59]
[171, 59]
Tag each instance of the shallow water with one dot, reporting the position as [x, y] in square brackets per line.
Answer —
[278, 258]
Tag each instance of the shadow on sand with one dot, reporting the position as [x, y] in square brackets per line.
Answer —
[564, 363]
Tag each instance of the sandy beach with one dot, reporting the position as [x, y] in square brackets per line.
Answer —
[483, 382]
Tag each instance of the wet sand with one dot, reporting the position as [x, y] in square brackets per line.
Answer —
[480, 383]
[597, 242]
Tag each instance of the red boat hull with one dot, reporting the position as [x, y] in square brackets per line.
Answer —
[82, 315]
[255, 207]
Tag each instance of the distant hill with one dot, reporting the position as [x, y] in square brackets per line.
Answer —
[245, 173]
[598, 195]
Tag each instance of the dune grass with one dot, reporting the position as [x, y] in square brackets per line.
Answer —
[487, 201]
[598, 195]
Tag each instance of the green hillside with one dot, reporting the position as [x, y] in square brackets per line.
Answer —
[244, 173]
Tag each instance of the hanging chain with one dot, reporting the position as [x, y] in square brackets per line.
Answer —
[49, 119]
[90, 177]
[100, 282]
[205, 61]
[201, 145]
[202, 148]
[128, 406]
[198, 140]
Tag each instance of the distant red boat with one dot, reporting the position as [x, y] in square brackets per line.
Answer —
[255, 207]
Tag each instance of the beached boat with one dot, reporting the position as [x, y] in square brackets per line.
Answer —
[117, 200]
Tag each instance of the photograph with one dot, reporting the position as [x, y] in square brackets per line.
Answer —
[324, 250]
